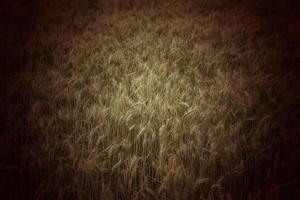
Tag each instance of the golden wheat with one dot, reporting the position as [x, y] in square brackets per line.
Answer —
[150, 101]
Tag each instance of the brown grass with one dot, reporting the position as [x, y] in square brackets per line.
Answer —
[154, 100]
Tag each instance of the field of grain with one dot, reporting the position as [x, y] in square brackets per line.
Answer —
[154, 100]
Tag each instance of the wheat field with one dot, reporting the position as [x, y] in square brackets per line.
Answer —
[155, 100]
